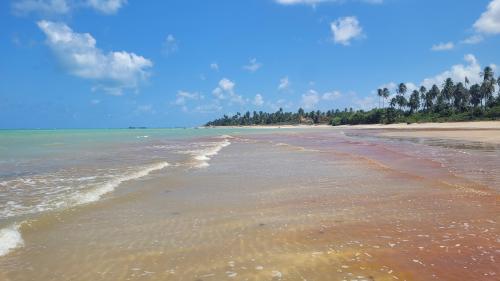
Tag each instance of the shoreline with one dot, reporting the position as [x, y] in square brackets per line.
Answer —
[472, 125]
[487, 132]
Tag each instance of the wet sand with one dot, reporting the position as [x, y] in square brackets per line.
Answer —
[488, 136]
[315, 205]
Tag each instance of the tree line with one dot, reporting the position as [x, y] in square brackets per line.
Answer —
[454, 101]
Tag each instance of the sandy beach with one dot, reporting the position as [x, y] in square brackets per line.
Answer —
[485, 131]
[480, 131]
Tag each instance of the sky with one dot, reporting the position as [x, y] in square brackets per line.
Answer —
[120, 63]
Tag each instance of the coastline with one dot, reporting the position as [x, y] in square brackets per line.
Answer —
[445, 125]
[476, 131]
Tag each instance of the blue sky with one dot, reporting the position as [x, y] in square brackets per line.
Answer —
[117, 63]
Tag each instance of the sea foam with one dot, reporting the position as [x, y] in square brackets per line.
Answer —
[97, 193]
[202, 156]
[10, 238]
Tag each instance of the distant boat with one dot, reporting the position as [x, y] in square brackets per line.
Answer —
[133, 128]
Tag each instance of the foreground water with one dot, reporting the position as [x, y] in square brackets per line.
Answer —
[215, 204]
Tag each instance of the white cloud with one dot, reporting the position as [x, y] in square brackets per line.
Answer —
[315, 2]
[284, 83]
[310, 99]
[170, 45]
[253, 65]
[214, 66]
[391, 86]
[474, 39]
[443, 46]
[106, 6]
[489, 21]
[236, 99]
[45, 7]
[410, 87]
[182, 97]
[218, 93]
[208, 108]
[62, 7]
[330, 96]
[458, 73]
[226, 85]
[346, 29]
[365, 103]
[77, 52]
[258, 100]
[225, 90]
[281, 103]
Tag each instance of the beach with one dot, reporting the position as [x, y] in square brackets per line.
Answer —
[397, 202]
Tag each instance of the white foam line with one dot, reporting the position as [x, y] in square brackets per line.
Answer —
[10, 238]
[109, 186]
[203, 156]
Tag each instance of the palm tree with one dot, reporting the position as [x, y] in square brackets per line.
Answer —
[414, 101]
[401, 101]
[385, 95]
[475, 95]
[488, 85]
[432, 94]
[423, 91]
[379, 94]
[460, 97]
[448, 89]
[402, 89]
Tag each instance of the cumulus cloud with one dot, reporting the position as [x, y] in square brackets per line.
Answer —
[182, 97]
[365, 103]
[474, 39]
[310, 99]
[284, 83]
[214, 66]
[170, 45]
[106, 6]
[443, 46]
[330, 96]
[391, 86]
[78, 54]
[281, 103]
[253, 65]
[258, 100]
[225, 91]
[62, 7]
[346, 29]
[458, 72]
[489, 21]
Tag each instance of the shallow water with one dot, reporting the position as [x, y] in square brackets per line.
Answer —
[253, 205]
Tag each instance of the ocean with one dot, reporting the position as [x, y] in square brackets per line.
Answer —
[246, 204]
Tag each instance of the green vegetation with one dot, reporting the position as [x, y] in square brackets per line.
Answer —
[452, 103]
